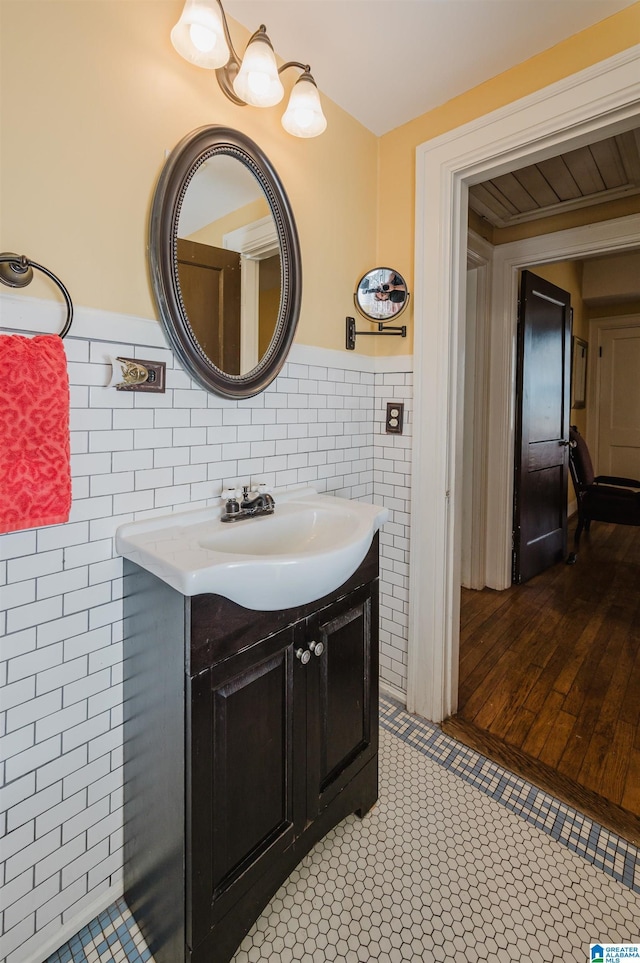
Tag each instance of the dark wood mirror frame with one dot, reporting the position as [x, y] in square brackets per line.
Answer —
[183, 162]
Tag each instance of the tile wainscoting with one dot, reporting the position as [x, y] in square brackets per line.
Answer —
[136, 455]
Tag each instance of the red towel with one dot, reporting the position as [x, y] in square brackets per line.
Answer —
[35, 471]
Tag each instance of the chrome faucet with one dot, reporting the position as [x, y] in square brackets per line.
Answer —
[252, 505]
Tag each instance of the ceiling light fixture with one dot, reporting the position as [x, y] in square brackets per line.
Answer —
[202, 37]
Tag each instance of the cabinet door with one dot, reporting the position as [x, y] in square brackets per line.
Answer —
[342, 695]
[246, 737]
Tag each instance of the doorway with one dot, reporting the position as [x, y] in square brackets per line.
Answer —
[549, 675]
[567, 114]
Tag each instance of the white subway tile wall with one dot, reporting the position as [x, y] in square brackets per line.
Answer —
[134, 456]
[392, 488]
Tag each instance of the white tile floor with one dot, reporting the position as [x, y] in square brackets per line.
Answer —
[442, 871]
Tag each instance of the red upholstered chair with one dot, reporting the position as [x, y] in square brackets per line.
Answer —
[604, 498]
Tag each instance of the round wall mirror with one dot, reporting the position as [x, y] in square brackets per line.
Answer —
[225, 262]
[381, 295]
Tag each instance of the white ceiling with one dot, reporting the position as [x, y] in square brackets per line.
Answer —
[388, 61]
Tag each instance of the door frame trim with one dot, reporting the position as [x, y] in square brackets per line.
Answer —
[604, 98]
[253, 242]
[596, 327]
[479, 258]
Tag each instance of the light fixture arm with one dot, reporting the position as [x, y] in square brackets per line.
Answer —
[227, 74]
[227, 34]
[305, 68]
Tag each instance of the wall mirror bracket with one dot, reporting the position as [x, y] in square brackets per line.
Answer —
[399, 332]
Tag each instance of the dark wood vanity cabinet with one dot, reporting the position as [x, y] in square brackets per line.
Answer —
[243, 756]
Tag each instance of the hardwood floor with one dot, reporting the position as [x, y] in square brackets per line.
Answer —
[550, 678]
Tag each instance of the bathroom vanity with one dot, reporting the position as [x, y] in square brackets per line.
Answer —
[249, 733]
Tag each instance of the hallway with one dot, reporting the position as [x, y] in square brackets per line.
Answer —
[550, 678]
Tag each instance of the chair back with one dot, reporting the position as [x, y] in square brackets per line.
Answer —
[580, 464]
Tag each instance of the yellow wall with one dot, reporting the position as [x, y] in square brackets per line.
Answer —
[615, 309]
[214, 233]
[397, 149]
[92, 95]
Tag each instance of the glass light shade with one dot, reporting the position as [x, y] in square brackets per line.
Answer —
[199, 35]
[303, 116]
[257, 82]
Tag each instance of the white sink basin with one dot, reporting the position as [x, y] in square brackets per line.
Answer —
[306, 549]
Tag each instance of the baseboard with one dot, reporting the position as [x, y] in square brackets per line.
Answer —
[72, 926]
[388, 689]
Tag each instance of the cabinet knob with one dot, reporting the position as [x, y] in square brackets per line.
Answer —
[317, 648]
[304, 655]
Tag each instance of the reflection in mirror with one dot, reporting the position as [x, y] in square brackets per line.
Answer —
[224, 261]
[228, 261]
[381, 295]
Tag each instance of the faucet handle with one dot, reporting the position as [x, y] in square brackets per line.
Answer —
[263, 488]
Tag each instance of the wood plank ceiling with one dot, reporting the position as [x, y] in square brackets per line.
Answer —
[603, 171]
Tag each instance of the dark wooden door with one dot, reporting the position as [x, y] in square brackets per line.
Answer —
[342, 695]
[247, 741]
[542, 427]
[210, 284]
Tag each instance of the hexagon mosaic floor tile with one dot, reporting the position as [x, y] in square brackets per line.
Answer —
[459, 861]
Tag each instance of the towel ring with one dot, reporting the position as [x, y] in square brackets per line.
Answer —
[16, 271]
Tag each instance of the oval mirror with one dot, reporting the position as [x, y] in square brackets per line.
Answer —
[225, 262]
[381, 295]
